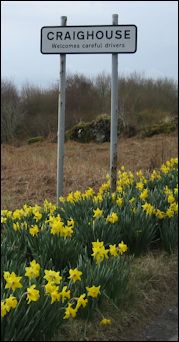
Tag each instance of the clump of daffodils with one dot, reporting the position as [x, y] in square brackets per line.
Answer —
[52, 289]
[142, 208]
[100, 252]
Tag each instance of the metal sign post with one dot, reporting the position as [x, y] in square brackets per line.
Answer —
[114, 115]
[61, 121]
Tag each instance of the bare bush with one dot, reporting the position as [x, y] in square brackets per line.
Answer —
[10, 110]
[40, 108]
[81, 100]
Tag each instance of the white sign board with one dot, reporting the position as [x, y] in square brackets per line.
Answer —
[88, 39]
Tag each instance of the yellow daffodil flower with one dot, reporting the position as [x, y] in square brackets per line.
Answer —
[34, 230]
[32, 294]
[33, 271]
[97, 213]
[105, 321]
[64, 294]
[52, 276]
[112, 218]
[70, 312]
[122, 247]
[81, 301]
[75, 274]
[93, 291]
[12, 281]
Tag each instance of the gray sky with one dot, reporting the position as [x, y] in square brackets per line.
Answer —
[21, 22]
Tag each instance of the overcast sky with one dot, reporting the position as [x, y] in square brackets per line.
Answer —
[21, 22]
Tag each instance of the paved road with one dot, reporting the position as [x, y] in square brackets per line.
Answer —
[174, 338]
[164, 328]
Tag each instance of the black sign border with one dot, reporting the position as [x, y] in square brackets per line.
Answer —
[87, 53]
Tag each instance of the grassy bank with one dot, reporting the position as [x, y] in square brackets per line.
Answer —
[118, 250]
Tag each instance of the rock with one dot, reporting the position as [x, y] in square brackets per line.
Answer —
[35, 139]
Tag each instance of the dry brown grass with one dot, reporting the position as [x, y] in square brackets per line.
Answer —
[28, 172]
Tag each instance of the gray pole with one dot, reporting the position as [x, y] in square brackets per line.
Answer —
[114, 115]
[61, 121]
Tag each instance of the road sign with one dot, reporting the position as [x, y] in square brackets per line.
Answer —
[62, 40]
[88, 39]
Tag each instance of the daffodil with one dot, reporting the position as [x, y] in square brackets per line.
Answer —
[70, 198]
[132, 200]
[98, 199]
[174, 207]
[75, 274]
[148, 208]
[64, 294]
[97, 213]
[37, 215]
[119, 201]
[122, 247]
[171, 199]
[34, 230]
[139, 186]
[3, 220]
[105, 321]
[61, 199]
[144, 194]
[11, 303]
[55, 296]
[155, 175]
[93, 291]
[104, 187]
[113, 250]
[33, 271]
[77, 196]
[81, 301]
[70, 223]
[164, 168]
[97, 244]
[52, 276]
[16, 226]
[88, 193]
[176, 190]
[12, 281]
[170, 212]
[18, 214]
[50, 288]
[70, 311]
[112, 218]
[159, 214]
[67, 231]
[3, 309]
[119, 188]
[57, 227]
[32, 294]
[99, 253]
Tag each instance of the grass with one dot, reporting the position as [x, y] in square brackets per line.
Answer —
[28, 172]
